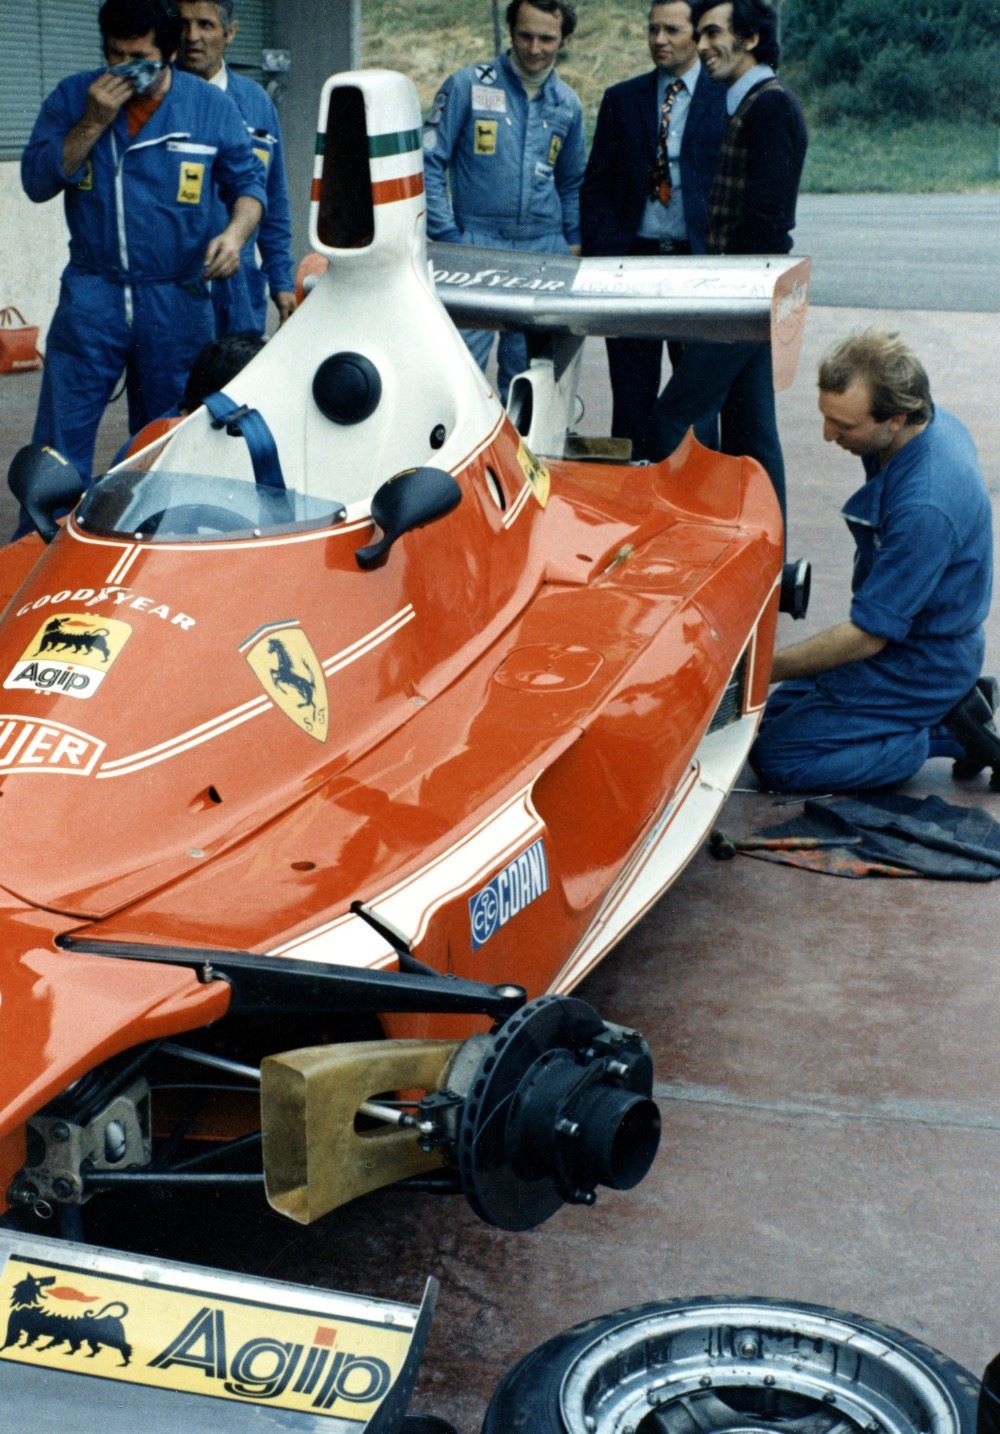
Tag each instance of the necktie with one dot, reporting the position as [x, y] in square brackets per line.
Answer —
[660, 186]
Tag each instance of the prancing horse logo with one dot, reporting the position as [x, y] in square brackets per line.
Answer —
[292, 677]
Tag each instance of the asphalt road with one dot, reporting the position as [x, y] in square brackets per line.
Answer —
[903, 251]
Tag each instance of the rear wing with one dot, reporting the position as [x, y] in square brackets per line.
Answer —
[724, 299]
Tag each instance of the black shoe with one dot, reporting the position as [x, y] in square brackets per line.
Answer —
[971, 720]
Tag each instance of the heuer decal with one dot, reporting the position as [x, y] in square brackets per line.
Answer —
[290, 673]
[520, 883]
[536, 473]
[27, 746]
[165, 1337]
[70, 655]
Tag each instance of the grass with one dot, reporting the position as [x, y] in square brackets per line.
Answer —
[930, 158]
[428, 39]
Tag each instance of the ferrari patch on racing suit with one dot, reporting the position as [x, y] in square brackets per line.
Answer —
[192, 177]
[485, 137]
[554, 147]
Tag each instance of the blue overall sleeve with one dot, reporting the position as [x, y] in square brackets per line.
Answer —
[442, 131]
[570, 167]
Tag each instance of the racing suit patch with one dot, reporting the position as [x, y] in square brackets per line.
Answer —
[192, 178]
[87, 182]
[554, 148]
[486, 74]
[486, 137]
[264, 155]
[483, 98]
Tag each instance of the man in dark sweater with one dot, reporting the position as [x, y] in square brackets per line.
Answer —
[751, 211]
[647, 184]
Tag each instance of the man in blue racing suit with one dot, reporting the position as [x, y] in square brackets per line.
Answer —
[138, 157]
[508, 135]
[862, 704]
[208, 28]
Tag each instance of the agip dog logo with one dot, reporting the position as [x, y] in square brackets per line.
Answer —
[290, 673]
[70, 655]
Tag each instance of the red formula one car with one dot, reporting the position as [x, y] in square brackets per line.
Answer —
[344, 729]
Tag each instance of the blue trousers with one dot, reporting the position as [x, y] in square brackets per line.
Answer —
[90, 343]
[512, 355]
[634, 367]
[734, 381]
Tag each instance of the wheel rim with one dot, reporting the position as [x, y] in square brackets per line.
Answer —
[741, 1368]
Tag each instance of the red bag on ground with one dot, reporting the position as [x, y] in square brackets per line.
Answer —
[18, 343]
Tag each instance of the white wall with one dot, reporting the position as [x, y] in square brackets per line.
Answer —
[33, 247]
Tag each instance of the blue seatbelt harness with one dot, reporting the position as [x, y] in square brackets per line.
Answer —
[250, 424]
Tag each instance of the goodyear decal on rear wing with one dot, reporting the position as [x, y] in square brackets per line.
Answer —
[70, 655]
[520, 883]
[247, 1350]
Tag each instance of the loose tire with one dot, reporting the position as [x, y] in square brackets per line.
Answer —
[734, 1366]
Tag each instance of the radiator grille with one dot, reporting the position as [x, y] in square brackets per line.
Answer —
[730, 708]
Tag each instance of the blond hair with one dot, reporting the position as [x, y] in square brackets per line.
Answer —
[897, 381]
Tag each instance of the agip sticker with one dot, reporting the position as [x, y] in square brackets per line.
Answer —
[189, 185]
[70, 655]
[248, 1351]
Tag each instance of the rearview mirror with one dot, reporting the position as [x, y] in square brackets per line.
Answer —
[413, 498]
[45, 484]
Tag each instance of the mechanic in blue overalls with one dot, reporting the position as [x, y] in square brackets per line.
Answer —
[864, 703]
[208, 28]
[508, 136]
[139, 168]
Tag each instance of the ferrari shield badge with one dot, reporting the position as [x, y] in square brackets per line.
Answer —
[536, 473]
[70, 655]
[290, 673]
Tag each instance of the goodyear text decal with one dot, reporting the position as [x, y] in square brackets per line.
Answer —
[520, 883]
[142, 1333]
[70, 655]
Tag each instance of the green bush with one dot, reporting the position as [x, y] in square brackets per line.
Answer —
[930, 59]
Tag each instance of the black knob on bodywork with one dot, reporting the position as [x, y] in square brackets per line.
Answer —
[347, 387]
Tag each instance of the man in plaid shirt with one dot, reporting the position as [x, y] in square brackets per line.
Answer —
[751, 211]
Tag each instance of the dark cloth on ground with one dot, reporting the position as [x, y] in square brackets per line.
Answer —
[889, 835]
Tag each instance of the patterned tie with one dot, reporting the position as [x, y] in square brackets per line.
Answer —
[660, 186]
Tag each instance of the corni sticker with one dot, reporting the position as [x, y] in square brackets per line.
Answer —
[70, 655]
[290, 673]
[520, 883]
[82, 1322]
